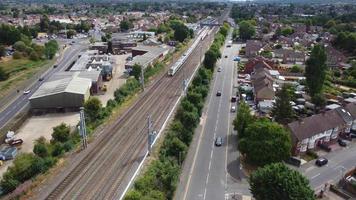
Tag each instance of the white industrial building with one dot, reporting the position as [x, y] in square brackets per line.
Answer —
[67, 94]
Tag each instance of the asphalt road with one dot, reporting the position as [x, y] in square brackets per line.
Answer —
[215, 172]
[340, 161]
[21, 101]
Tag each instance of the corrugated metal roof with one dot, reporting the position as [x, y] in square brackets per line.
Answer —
[71, 85]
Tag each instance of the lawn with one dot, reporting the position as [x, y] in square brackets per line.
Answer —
[19, 70]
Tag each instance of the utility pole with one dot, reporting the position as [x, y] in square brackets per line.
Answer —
[142, 79]
[150, 137]
[82, 129]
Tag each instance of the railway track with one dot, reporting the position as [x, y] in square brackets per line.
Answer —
[109, 160]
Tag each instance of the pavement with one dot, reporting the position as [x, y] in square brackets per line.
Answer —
[210, 172]
[21, 101]
[340, 161]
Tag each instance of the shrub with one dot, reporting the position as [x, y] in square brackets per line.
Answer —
[17, 55]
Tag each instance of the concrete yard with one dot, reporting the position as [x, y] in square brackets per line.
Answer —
[38, 126]
[117, 80]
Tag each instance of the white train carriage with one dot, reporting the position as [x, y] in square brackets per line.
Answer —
[177, 65]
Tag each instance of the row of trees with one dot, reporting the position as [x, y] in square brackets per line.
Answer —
[11, 34]
[346, 41]
[160, 179]
[213, 54]
[45, 155]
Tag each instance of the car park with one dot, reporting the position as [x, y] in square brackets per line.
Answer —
[218, 141]
[321, 161]
[218, 93]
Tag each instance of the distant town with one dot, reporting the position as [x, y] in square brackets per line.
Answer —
[177, 100]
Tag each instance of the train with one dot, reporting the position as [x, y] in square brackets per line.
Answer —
[202, 34]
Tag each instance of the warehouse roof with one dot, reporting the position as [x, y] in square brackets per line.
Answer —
[93, 75]
[152, 53]
[70, 85]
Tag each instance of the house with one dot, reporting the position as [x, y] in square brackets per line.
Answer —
[257, 62]
[308, 132]
[262, 85]
[289, 56]
[351, 108]
[334, 57]
[252, 48]
[323, 128]
[102, 47]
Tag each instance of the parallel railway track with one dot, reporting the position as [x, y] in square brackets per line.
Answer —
[109, 161]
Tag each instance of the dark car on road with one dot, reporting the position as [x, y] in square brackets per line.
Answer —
[218, 141]
[40, 79]
[342, 142]
[321, 161]
[233, 99]
[55, 66]
[218, 93]
[225, 56]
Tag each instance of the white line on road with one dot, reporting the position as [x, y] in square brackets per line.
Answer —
[315, 176]
[159, 133]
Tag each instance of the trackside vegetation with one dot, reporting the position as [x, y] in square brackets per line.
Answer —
[160, 179]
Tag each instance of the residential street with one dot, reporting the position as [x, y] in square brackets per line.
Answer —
[214, 171]
[340, 161]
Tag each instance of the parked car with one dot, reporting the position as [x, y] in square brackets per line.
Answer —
[55, 66]
[225, 56]
[26, 92]
[219, 69]
[218, 141]
[218, 93]
[233, 99]
[233, 108]
[352, 135]
[342, 142]
[16, 142]
[40, 79]
[321, 161]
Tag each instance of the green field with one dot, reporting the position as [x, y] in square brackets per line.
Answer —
[19, 70]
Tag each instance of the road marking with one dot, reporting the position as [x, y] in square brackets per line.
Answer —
[229, 128]
[315, 176]
[160, 131]
[216, 126]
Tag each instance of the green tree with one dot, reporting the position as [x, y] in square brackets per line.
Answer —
[181, 32]
[41, 150]
[277, 181]
[51, 48]
[265, 142]
[247, 30]
[61, 133]
[2, 51]
[20, 46]
[136, 71]
[93, 109]
[133, 195]
[17, 55]
[282, 110]
[287, 31]
[70, 33]
[3, 74]
[125, 25]
[296, 69]
[211, 56]
[243, 119]
[315, 70]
